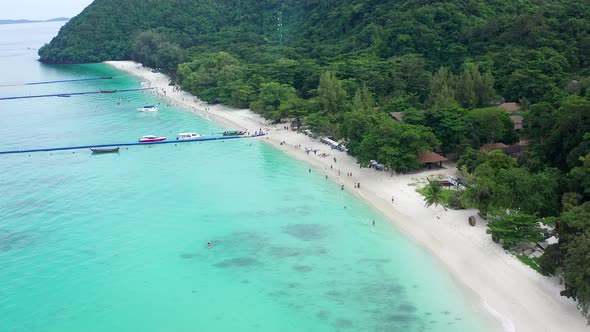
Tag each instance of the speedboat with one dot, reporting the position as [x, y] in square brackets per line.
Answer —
[186, 136]
[149, 108]
[151, 138]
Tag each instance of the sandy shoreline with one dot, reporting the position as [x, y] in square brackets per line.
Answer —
[500, 286]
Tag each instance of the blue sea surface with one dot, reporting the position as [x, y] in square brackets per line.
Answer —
[118, 242]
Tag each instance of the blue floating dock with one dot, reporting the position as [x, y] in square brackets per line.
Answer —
[69, 94]
[63, 81]
[79, 147]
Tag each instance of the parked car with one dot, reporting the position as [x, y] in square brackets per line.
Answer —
[310, 133]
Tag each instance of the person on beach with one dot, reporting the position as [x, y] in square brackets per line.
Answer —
[342, 187]
[392, 199]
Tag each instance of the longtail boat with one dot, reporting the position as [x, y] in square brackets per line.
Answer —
[234, 132]
[104, 150]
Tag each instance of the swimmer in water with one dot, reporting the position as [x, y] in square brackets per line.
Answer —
[209, 245]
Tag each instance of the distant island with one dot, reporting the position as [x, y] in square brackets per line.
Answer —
[57, 19]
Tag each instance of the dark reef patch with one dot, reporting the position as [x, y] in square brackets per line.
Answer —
[187, 256]
[407, 308]
[298, 211]
[322, 314]
[14, 240]
[284, 252]
[374, 261]
[401, 318]
[244, 241]
[344, 323]
[238, 262]
[306, 232]
[388, 290]
[302, 268]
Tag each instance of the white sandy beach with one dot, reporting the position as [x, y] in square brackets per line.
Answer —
[498, 284]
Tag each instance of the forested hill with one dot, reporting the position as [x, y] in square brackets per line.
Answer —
[444, 32]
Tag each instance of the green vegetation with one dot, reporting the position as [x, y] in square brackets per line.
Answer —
[340, 67]
[533, 262]
[515, 228]
[444, 197]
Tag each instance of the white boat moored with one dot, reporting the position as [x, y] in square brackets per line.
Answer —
[148, 108]
[185, 136]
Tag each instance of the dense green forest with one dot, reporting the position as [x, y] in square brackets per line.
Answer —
[340, 67]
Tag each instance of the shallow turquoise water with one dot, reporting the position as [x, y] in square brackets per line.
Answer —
[118, 242]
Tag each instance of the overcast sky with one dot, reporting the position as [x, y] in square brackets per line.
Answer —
[41, 9]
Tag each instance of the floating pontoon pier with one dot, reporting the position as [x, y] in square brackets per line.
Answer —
[63, 81]
[79, 147]
[69, 94]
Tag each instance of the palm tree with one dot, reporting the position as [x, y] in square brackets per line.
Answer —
[432, 194]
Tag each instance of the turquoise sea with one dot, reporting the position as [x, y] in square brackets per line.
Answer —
[118, 242]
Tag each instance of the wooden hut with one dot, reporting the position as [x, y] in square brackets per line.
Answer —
[517, 119]
[515, 150]
[430, 158]
[509, 107]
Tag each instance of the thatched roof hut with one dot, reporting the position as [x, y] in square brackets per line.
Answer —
[430, 158]
[509, 107]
